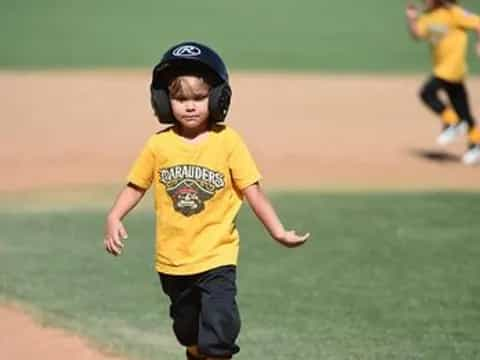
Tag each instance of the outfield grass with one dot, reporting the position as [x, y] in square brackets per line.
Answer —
[385, 276]
[340, 35]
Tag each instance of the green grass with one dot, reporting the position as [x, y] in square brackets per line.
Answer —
[385, 276]
[340, 35]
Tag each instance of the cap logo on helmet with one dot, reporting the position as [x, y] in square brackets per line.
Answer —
[186, 51]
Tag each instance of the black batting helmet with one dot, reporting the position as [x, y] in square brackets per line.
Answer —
[190, 58]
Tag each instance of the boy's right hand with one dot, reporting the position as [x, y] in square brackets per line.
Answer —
[115, 233]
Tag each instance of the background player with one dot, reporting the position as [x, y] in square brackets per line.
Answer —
[444, 25]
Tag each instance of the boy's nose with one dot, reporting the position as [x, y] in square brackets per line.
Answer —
[190, 105]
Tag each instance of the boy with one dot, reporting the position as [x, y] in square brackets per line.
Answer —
[200, 170]
[445, 24]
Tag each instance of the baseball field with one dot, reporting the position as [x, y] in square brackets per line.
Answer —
[325, 95]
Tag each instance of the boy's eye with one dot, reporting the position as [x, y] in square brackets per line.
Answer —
[194, 98]
[200, 97]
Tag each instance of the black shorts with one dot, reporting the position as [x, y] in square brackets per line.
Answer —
[204, 310]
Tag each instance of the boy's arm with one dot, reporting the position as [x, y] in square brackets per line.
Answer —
[265, 212]
[114, 230]
[468, 21]
[411, 13]
[477, 44]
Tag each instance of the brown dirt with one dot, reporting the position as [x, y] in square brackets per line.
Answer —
[70, 129]
[23, 339]
[65, 129]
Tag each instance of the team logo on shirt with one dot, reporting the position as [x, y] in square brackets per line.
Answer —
[190, 186]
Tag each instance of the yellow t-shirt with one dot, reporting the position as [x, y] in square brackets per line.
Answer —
[197, 197]
[446, 30]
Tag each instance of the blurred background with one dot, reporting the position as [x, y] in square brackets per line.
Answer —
[366, 36]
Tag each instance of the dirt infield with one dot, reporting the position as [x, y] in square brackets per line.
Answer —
[65, 129]
[22, 339]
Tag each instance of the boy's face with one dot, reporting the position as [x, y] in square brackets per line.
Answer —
[189, 102]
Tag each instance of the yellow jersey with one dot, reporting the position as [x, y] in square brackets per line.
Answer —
[197, 197]
[446, 30]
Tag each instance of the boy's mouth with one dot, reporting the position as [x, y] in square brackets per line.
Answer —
[191, 117]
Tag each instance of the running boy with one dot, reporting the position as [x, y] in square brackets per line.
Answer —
[445, 25]
[200, 171]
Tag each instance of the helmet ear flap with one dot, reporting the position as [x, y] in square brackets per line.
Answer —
[161, 105]
[219, 102]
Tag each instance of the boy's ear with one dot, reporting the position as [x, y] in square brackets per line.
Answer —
[161, 105]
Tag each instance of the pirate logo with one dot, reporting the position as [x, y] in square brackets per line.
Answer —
[189, 186]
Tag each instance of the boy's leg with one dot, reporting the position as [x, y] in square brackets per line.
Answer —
[429, 96]
[457, 93]
[184, 308]
[219, 323]
[194, 354]
[459, 97]
[452, 126]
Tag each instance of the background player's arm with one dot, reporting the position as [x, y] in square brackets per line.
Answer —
[468, 21]
[265, 212]
[115, 232]
[411, 13]
[477, 46]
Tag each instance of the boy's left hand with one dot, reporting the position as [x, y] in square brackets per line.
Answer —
[477, 48]
[292, 239]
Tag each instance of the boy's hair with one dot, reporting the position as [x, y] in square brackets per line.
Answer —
[441, 3]
[179, 88]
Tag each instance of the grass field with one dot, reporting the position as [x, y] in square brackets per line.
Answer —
[324, 36]
[385, 276]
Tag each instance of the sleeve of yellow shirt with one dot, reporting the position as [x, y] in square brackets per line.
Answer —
[422, 26]
[242, 166]
[465, 19]
[142, 171]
